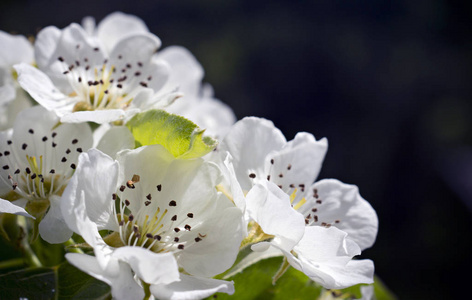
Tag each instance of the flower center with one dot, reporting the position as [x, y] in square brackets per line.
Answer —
[109, 85]
[152, 222]
[37, 176]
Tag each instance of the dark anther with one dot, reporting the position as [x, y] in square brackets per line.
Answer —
[187, 227]
[24, 146]
[252, 175]
[176, 239]
[73, 166]
[176, 229]
[181, 247]
[159, 187]
[130, 184]
[174, 218]
[122, 188]
[172, 203]
[63, 159]
[190, 215]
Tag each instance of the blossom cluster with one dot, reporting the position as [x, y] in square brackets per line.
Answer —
[108, 138]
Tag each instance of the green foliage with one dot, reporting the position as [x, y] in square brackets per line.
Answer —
[183, 138]
[255, 283]
[74, 284]
[60, 282]
[38, 283]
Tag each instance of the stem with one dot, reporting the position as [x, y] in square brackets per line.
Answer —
[12, 263]
[71, 246]
[283, 268]
[147, 290]
[29, 256]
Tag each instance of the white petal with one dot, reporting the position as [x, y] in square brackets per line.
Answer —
[208, 113]
[74, 212]
[117, 26]
[218, 250]
[186, 71]
[7, 207]
[260, 247]
[299, 162]
[135, 48]
[7, 93]
[41, 88]
[192, 287]
[96, 177]
[123, 284]
[88, 23]
[116, 139]
[236, 191]
[249, 142]
[325, 255]
[53, 228]
[15, 49]
[97, 116]
[45, 45]
[342, 206]
[153, 268]
[270, 207]
[13, 108]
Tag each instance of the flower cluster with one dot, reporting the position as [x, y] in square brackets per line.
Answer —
[103, 140]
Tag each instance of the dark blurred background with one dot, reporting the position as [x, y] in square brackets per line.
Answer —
[387, 83]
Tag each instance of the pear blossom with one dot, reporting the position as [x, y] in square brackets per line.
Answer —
[15, 49]
[155, 204]
[37, 159]
[81, 80]
[318, 227]
[114, 27]
[197, 103]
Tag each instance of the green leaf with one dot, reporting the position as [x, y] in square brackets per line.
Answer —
[183, 138]
[75, 284]
[381, 291]
[255, 282]
[60, 282]
[36, 283]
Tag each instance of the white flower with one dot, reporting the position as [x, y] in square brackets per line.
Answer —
[36, 162]
[80, 80]
[164, 206]
[114, 28]
[319, 227]
[8, 207]
[197, 103]
[15, 49]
